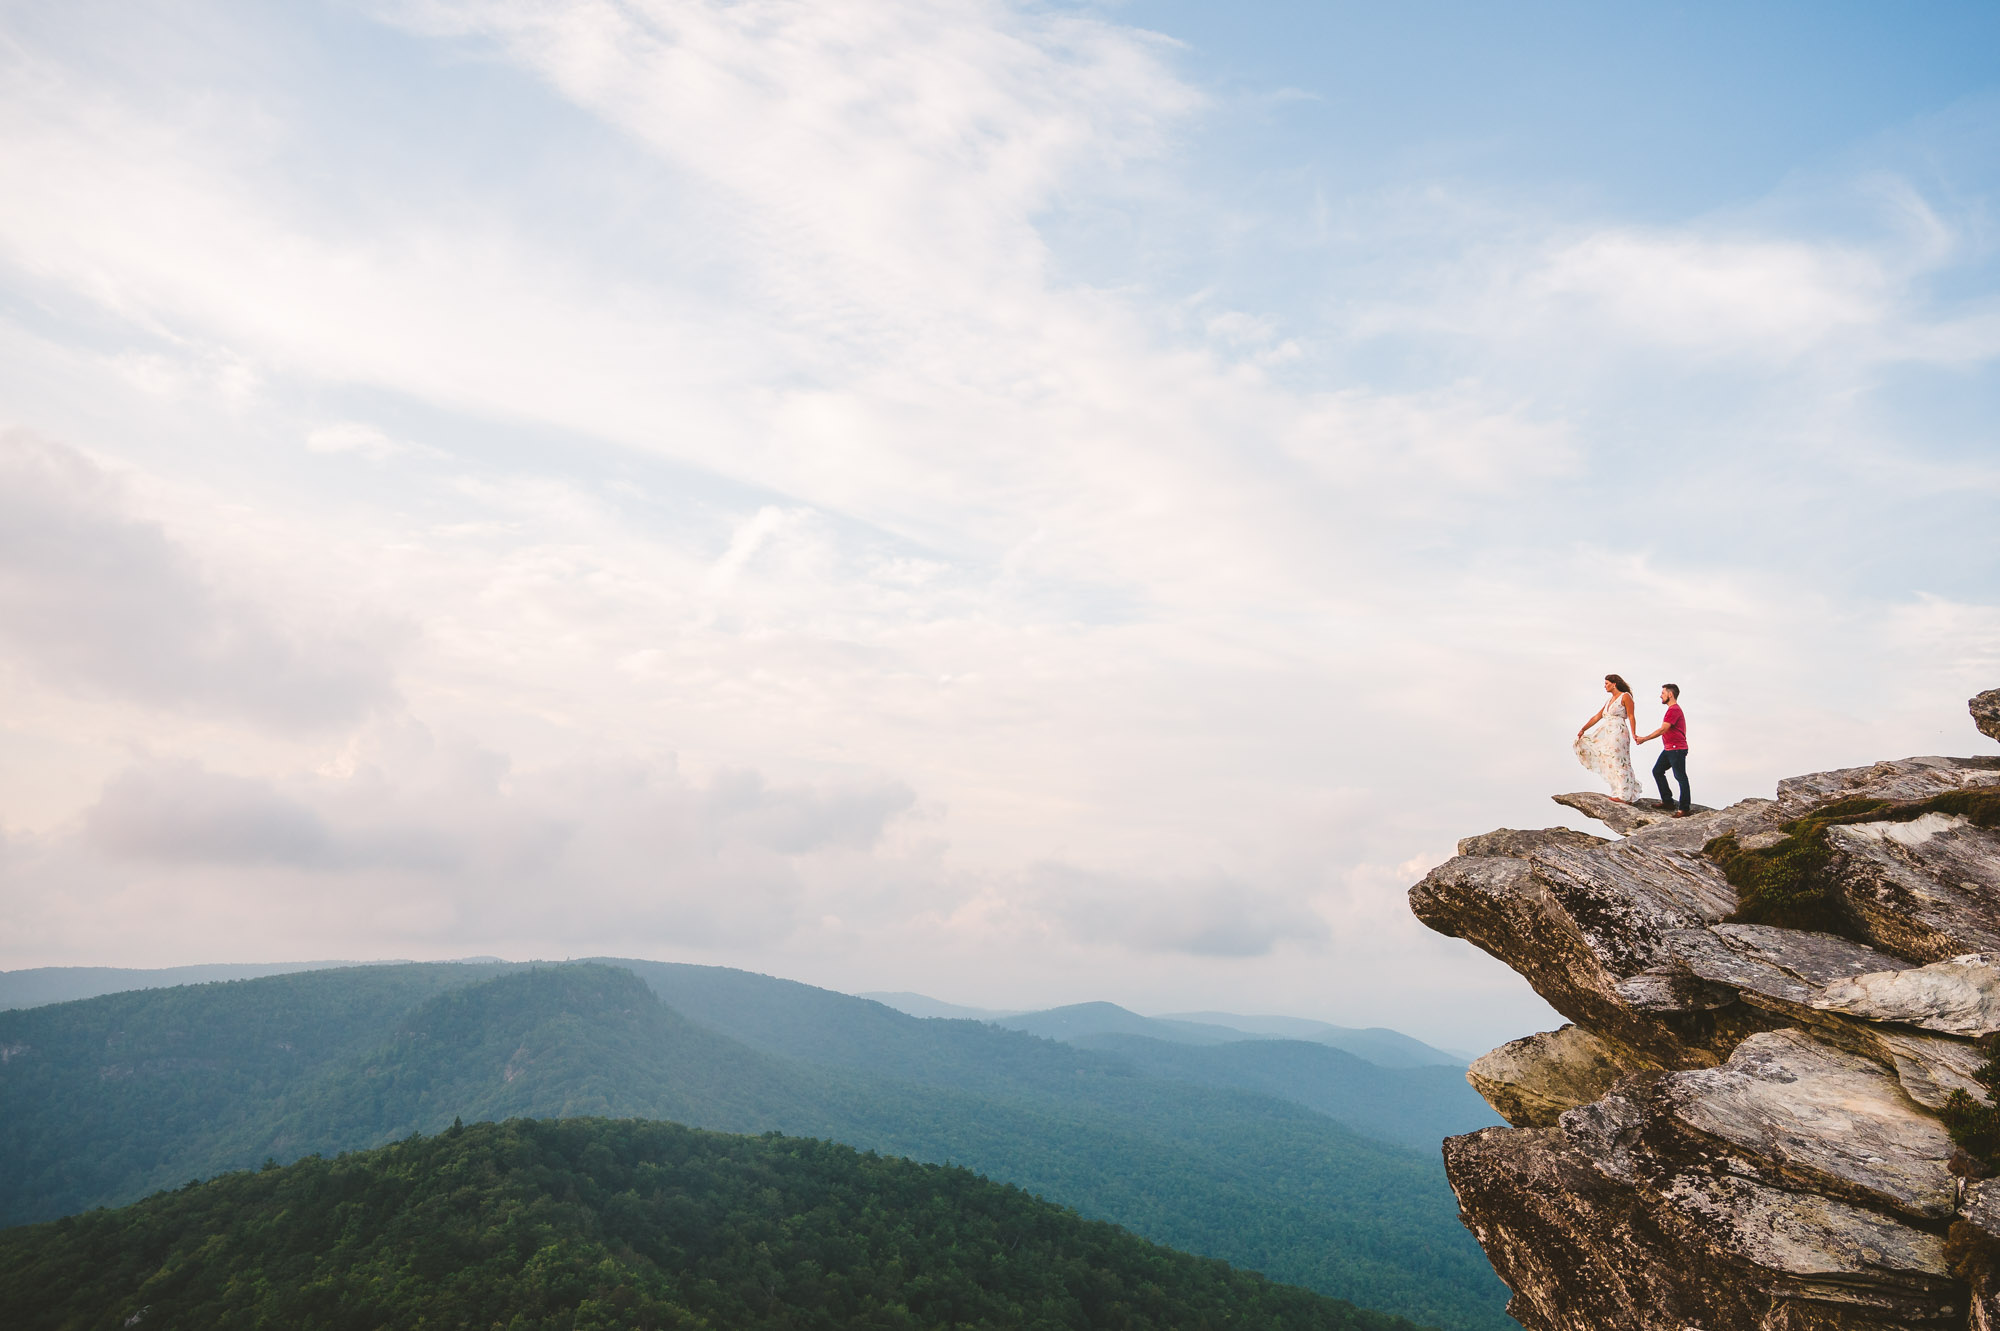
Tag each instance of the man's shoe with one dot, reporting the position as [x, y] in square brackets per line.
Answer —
[1680, 813]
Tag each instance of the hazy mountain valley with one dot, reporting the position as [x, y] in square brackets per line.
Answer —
[1290, 1158]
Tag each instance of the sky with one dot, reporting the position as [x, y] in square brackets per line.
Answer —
[1022, 503]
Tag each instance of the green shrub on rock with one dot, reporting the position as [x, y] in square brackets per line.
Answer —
[1792, 885]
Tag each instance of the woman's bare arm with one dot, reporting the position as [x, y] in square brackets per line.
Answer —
[1631, 714]
[1595, 717]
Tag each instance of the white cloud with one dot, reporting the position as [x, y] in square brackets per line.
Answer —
[881, 161]
[1210, 916]
[1714, 297]
[579, 853]
[362, 440]
[95, 599]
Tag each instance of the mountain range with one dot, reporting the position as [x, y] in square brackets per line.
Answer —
[1257, 1152]
[1378, 1044]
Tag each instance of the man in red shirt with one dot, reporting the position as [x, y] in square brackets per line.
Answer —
[1673, 735]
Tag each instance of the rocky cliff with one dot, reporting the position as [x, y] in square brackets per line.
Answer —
[1772, 1004]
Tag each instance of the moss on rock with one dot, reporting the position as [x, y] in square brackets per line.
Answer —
[1792, 885]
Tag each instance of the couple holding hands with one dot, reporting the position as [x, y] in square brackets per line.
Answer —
[1604, 744]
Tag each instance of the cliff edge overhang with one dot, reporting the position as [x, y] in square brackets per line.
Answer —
[1772, 1005]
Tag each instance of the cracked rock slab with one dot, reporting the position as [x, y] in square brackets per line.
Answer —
[1838, 1120]
[1957, 997]
[1927, 890]
[1785, 970]
[1531, 1081]
[1665, 1250]
[1899, 779]
[1930, 1067]
[1618, 815]
[1507, 843]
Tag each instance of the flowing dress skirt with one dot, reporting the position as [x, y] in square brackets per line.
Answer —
[1606, 749]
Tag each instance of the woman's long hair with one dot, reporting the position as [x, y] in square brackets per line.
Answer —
[1618, 682]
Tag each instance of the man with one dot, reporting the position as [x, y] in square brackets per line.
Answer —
[1673, 749]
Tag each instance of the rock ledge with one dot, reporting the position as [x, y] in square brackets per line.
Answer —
[1739, 1129]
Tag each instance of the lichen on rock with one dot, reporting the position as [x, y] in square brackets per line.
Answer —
[1750, 1121]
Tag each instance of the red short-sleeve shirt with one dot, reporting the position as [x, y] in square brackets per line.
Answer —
[1676, 734]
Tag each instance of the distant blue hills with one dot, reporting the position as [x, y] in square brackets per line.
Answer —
[1084, 1021]
[39, 985]
[1077, 1021]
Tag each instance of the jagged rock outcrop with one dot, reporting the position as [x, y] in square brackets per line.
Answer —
[1531, 1081]
[1618, 815]
[1741, 1127]
[1985, 709]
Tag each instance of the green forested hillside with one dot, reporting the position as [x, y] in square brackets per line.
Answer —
[218, 1077]
[586, 1224]
[108, 1098]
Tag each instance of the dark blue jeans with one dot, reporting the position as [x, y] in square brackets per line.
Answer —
[1675, 761]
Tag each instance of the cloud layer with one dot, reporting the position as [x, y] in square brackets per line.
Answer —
[93, 598]
[835, 488]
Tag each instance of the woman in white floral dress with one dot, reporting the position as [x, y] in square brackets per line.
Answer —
[1607, 749]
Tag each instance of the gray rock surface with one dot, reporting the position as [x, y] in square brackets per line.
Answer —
[1739, 1130]
[1620, 816]
[1835, 1120]
[1985, 709]
[1960, 996]
[1532, 1080]
[1902, 779]
[1928, 890]
[1930, 1067]
[1666, 1246]
[1507, 843]
[1781, 969]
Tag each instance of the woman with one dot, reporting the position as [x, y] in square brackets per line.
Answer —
[1607, 750]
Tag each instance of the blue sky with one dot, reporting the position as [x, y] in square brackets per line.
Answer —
[1019, 503]
[1657, 112]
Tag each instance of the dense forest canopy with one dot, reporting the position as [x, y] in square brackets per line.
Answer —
[583, 1224]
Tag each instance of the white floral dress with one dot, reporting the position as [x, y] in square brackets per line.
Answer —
[1606, 749]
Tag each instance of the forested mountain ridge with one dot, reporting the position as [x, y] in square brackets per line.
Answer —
[337, 1060]
[108, 1098]
[587, 1223]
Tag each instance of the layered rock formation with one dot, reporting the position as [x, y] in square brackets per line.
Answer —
[1741, 1127]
